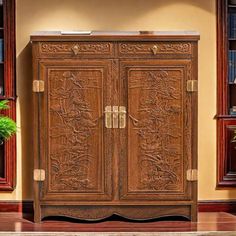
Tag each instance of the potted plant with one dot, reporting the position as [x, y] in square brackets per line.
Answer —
[7, 125]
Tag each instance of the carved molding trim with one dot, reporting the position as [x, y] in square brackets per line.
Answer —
[160, 48]
[81, 47]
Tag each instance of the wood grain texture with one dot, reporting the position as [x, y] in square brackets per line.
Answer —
[138, 172]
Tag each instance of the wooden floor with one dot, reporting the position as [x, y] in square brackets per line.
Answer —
[14, 222]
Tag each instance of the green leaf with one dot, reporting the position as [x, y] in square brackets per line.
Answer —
[7, 127]
[4, 105]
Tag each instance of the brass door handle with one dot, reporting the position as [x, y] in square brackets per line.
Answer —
[115, 117]
[108, 117]
[122, 117]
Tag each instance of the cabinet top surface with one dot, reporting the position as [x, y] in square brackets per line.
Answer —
[116, 36]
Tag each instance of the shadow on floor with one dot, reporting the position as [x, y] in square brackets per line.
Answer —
[114, 218]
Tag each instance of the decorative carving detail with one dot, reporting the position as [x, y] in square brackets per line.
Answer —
[75, 101]
[81, 48]
[160, 48]
[156, 127]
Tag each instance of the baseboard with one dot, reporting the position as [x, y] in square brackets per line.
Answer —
[217, 206]
[203, 206]
[16, 206]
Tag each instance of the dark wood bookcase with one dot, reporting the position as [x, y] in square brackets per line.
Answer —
[7, 91]
[226, 93]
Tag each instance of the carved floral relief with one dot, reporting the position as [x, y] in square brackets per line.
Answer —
[74, 102]
[156, 123]
[82, 47]
[160, 48]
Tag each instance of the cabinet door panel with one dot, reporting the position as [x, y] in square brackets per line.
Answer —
[156, 144]
[75, 145]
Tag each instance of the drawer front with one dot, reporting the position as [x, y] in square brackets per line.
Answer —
[154, 49]
[76, 49]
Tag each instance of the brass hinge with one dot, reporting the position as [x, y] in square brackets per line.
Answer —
[39, 175]
[38, 86]
[192, 175]
[192, 85]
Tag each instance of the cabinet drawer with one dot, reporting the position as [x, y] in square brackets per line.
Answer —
[76, 49]
[154, 49]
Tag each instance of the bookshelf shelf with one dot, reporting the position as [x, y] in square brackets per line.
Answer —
[225, 117]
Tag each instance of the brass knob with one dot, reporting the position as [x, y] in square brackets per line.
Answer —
[154, 49]
[75, 49]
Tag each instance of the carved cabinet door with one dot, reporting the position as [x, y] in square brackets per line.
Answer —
[155, 146]
[75, 147]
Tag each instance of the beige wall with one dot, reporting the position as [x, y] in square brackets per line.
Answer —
[33, 15]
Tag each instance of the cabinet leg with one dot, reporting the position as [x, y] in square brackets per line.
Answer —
[37, 214]
[194, 213]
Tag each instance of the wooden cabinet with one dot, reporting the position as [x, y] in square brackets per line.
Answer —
[115, 125]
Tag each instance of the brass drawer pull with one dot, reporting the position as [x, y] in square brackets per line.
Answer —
[154, 49]
[75, 49]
